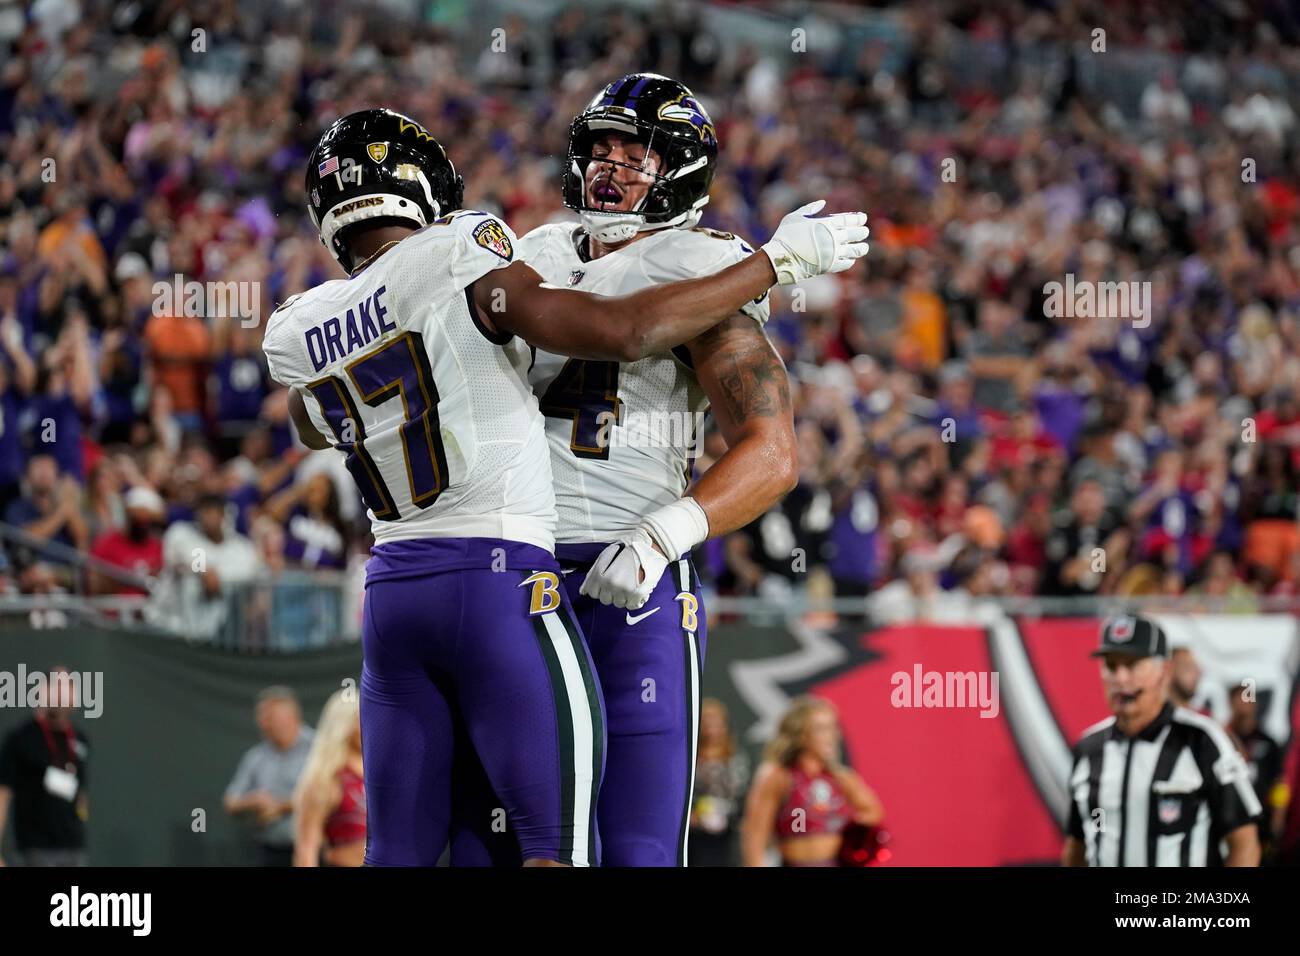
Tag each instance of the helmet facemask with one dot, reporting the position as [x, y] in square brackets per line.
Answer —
[667, 202]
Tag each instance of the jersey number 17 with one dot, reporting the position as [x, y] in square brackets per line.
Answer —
[397, 369]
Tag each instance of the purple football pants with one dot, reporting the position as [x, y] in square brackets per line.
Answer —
[475, 674]
[648, 663]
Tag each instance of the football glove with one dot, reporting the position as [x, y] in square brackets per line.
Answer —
[806, 245]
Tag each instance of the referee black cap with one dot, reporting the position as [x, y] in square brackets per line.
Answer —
[1135, 635]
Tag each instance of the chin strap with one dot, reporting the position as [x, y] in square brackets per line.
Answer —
[612, 227]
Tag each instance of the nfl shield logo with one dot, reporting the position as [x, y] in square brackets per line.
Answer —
[315, 197]
[377, 151]
[1121, 629]
[1170, 810]
[576, 276]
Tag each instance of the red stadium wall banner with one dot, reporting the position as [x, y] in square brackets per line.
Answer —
[966, 731]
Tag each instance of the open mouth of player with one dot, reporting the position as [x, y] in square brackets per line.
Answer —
[605, 193]
[1124, 698]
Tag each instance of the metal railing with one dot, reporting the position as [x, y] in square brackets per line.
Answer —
[302, 610]
[82, 564]
[295, 611]
[73, 603]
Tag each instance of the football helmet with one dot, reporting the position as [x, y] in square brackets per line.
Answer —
[664, 116]
[373, 164]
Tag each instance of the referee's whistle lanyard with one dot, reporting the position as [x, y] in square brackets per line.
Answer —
[70, 742]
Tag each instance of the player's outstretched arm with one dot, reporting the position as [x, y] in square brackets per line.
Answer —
[651, 321]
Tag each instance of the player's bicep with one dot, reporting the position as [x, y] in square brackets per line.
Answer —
[745, 380]
[307, 430]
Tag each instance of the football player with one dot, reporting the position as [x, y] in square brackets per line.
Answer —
[414, 367]
[641, 158]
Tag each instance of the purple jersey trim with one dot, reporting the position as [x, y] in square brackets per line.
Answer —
[407, 559]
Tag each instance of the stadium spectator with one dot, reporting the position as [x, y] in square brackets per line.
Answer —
[1078, 550]
[17, 380]
[1220, 583]
[209, 561]
[315, 536]
[136, 548]
[49, 506]
[178, 353]
[1164, 104]
[268, 774]
[918, 595]
[996, 354]
[104, 509]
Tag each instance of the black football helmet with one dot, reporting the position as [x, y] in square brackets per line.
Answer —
[664, 116]
[377, 164]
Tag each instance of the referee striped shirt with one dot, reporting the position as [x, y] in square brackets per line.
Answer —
[1164, 797]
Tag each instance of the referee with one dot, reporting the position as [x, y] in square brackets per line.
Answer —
[1155, 785]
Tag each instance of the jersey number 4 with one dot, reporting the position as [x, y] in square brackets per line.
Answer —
[586, 393]
[399, 369]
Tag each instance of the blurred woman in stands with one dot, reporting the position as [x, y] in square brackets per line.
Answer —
[330, 802]
[803, 795]
[315, 535]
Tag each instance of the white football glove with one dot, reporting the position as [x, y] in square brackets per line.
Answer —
[627, 571]
[806, 245]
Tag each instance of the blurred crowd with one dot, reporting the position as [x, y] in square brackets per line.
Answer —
[956, 439]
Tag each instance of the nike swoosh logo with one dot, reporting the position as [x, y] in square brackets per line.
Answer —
[615, 557]
[565, 572]
[640, 617]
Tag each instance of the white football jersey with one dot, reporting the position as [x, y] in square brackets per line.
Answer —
[622, 436]
[441, 430]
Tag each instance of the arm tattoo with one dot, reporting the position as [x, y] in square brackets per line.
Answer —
[750, 375]
[753, 382]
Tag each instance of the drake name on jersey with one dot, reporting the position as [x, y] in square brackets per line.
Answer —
[441, 431]
[622, 436]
